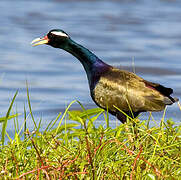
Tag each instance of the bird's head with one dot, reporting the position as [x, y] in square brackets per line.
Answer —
[56, 38]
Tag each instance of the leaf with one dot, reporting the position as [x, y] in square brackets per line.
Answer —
[2, 119]
[61, 128]
[73, 115]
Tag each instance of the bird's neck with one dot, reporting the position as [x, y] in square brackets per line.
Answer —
[93, 66]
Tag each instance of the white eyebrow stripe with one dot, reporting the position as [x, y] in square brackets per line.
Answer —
[58, 33]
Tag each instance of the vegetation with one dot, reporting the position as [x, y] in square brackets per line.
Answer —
[82, 150]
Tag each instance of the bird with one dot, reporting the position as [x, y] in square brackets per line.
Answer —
[122, 93]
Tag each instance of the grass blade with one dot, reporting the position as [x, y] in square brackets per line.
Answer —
[6, 119]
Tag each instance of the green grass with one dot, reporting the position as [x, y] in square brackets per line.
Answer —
[82, 150]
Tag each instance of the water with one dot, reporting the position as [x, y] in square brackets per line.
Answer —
[124, 33]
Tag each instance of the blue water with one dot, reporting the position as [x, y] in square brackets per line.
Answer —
[139, 35]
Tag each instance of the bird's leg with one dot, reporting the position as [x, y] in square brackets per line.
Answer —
[130, 137]
[123, 118]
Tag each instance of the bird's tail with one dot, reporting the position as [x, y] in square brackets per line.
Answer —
[166, 92]
[168, 100]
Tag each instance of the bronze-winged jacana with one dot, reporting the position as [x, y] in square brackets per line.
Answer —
[111, 87]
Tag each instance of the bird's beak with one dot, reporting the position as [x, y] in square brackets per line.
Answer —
[39, 41]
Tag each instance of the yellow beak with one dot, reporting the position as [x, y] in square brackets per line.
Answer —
[39, 41]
